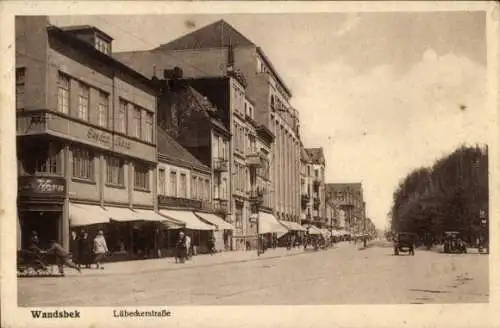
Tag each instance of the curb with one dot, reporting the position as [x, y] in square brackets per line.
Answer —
[193, 266]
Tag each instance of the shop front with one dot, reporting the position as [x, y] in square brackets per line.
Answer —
[41, 208]
[221, 229]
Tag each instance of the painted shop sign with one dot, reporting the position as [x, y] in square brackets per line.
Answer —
[46, 186]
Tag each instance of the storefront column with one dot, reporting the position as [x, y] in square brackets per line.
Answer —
[64, 221]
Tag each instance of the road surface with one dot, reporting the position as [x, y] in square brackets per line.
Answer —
[343, 275]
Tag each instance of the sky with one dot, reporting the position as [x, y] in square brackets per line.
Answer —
[382, 93]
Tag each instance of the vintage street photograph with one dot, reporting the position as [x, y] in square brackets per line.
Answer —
[335, 158]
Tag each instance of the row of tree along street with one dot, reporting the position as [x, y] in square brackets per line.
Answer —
[452, 195]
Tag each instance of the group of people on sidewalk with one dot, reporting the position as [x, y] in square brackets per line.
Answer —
[84, 251]
[184, 249]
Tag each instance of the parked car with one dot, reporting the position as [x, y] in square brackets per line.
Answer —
[404, 243]
[454, 243]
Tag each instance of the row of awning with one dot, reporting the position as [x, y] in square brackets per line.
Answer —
[82, 215]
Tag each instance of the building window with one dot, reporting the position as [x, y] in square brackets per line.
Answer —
[161, 181]
[194, 188]
[173, 184]
[207, 189]
[183, 186]
[63, 88]
[200, 190]
[83, 101]
[148, 132]
[141, 177]
[47, 160]
[20, 80]
[121, 125]
[102, 109]
[102, 46]
[137, 122]
[83, 164]
[115, 171]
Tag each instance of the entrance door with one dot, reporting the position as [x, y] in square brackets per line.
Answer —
[46, 224]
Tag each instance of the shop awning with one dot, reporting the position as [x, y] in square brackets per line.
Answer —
[149, 215]
[82, 215]
[269, 224]
[313, 230]
[215, 220]
[188, 218]
[122, 214]
[325, 233]
[290, 225]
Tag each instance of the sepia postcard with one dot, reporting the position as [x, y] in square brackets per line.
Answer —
[249, 164]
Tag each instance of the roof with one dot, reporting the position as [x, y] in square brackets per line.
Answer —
[304, 156]
[335, 187]
[72, 40]
[219, 34]
[216, 35]
[316, 155]
[75, 28]
[171, 150]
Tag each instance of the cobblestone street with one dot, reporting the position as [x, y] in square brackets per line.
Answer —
[343, 275]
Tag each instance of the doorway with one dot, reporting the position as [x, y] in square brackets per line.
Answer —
[46, 224]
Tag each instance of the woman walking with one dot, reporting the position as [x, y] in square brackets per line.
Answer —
[100, 249]
[74, 247]
[86, 257]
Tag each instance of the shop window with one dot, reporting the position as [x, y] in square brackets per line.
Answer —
[161, 181]
[63, 89]
[20, 80]
[121, 125]
[102, 109]
[141, 177]
[115, 171]
[83, 164]
[173, 184]
[83, 101]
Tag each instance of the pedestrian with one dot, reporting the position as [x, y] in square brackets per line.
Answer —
[100, 249]
[34, 244]
[74, 247]
[62, 257]
[180, 247]
[188, 252]
[211, 244]
[86, 248]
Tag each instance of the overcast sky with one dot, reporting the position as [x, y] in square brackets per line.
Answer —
[381, 92]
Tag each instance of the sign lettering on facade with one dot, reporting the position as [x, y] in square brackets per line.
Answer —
[122, 143]
[42, 186]
[99, 137]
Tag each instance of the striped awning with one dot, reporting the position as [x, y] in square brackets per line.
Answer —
[290, 225]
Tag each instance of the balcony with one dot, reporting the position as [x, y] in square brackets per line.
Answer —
[220, 165]
[254, 159]
[305, 198]
[177, 202]
[256, 197]
[220, 206]
[316, 203]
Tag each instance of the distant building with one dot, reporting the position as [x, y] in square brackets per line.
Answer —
[306, 186]
[317, 164]
[348, 199]
[219, 50]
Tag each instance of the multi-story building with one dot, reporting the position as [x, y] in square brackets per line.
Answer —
[317, 164]
[250, 143]
[306, 187]
[192, 120]
[86, 134]
[348, 198]
[185, 196]
[218, 49]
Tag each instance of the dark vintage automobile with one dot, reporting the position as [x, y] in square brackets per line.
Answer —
[453, 243]
[404, 243]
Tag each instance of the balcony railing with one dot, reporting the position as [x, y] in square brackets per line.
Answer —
[220, 165]
[256, 196]
[178, 202]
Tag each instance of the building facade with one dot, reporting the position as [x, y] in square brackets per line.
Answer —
[348, 199]
[317, 176]
[306, 187]
[86, 133]
[215, 51]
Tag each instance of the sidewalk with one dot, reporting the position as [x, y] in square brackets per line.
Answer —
[168, 264]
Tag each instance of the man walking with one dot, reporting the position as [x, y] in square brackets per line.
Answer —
[188, 247]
